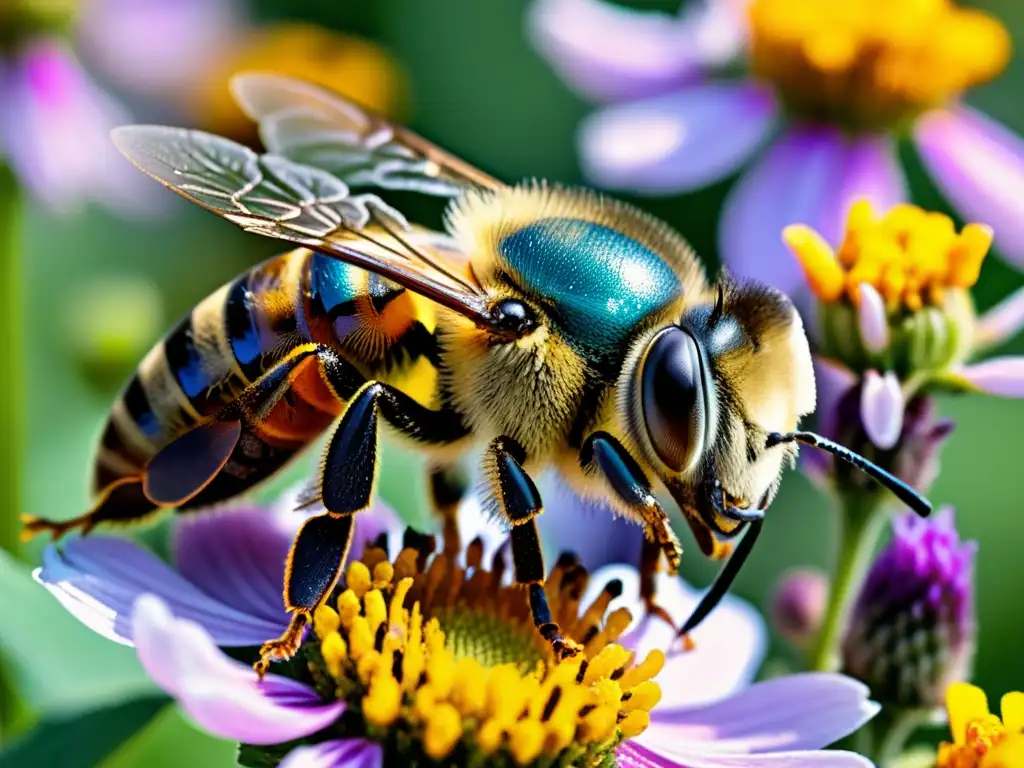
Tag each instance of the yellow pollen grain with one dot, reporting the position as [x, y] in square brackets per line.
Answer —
[382, 703]
[910, 256]
[599, 724]
[383, 573]
[609, 659]
[490, 737]
[325, 621]
[643, 696]
[360, 638]
[645, 670]
[335, 652]
[398, 616]
[526, 740]
[442, 731]
[635, 723]
[348, 608]
[469, 687]
[873, 64]
[358, 578]
[374, 609]
[441, 672]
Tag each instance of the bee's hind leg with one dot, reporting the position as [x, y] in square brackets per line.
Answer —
[520, 503]
[630, 486]
[448, 485]
[122, 502]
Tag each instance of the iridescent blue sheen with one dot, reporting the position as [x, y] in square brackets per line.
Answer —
[335, 283]
[598, 282]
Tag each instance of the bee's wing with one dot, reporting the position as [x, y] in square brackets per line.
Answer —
[314, 126]
[276, 197]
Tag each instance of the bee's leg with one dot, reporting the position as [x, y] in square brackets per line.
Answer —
[520, 503]
[627, 481]
[349, 474]
[448, 484]
[121, 502]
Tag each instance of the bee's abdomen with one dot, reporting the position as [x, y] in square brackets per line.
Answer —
[224, 344]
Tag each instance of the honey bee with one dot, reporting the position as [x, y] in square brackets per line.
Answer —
[554, 327]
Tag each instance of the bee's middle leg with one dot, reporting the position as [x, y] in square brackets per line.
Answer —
[520, 503]
[629, 484]
[347, 484]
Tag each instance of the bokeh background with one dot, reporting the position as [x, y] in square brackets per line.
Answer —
[99, 286]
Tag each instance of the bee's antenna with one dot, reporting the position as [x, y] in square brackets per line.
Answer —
[724, 579]
[906, 494]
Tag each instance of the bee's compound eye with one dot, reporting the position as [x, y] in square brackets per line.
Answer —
[513, 317]
[675, 398]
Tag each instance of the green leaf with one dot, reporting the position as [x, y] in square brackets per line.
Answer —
[85, 739]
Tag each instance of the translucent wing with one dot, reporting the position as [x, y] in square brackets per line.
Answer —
[276, 197]
[317, 127]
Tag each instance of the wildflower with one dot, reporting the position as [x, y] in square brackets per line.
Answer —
[57, 119]
[448, 641]
[839, 82]
[912, 630]
[981, 739]
[798, 605]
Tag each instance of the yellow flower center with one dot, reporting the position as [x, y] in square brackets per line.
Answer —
[448, 664]
[871, 64]
[910, 256]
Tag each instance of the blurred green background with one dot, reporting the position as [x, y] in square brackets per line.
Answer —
[474, 86]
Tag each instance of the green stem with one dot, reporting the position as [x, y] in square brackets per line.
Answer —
[892, 730]
[860, 524]
[12, 404]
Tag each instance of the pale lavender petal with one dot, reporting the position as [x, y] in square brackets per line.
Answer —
[881, 408]
[811, 175]
[785, 714]
[730, 644]
[872, 320]
[57, 126]
[677, 142]
[156, 47]
[222, 696]
[1002, 376]
[633, 755]
[609, 53]
[979, 165]
[238, 555]
[475, 522]
[338, 753]
[1002, 322]
[98, 579]
[608, 537]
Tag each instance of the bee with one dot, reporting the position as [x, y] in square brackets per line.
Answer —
[553, 327]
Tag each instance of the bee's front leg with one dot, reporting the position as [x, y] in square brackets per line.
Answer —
[520, 503]
[630, 486]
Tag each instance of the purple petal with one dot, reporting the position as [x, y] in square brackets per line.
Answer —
[872, 319]
[223, 696]
[1002, 376]
[98, 579]
[238, 555]
[57, 126]
[156, 46]
[633, 755]
[610, 53]
[979, 165]
[811, 175]
[681, 141]
[339, 753]
[730, 643]
[792, 713]
[881, 408]
[1002, 322]
[609, 538]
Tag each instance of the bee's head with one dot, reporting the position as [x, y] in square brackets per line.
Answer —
[709, 389]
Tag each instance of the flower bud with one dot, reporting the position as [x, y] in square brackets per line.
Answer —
[797, 607]
[912, 629]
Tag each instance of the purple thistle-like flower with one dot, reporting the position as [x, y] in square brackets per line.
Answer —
[912, 629]
[798, 605]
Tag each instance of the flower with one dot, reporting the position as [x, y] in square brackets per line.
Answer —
[57, 119]
[341, 703]
[836, 84]
[798, 604]
[912, 630]
[980, 739]
[896, 321]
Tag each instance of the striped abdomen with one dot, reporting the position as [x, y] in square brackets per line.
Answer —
[236, 334]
